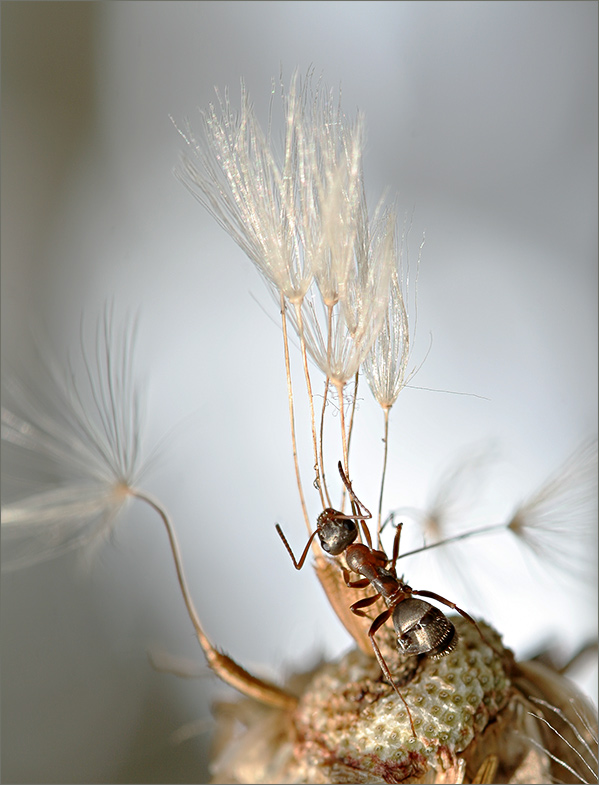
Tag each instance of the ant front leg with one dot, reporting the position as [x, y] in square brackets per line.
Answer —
[463, 613]
[362, 583]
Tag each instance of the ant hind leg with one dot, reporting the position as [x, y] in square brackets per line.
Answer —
[463, 613]
[375, 626]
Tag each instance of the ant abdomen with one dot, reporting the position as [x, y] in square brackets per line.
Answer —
[335, 534]
[423, 629]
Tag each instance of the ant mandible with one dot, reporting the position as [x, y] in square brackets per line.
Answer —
[420, 627]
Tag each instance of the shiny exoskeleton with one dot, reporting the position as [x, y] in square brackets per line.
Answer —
[420, 627]
[335, 531]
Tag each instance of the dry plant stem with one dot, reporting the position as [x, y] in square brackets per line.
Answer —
[339, 386]
[353, 411]
[292, 417]
[456, 537]
[300, 324]
[321, 458]
[386, 440]
[350, 429]
[324, 403]
[224, 667]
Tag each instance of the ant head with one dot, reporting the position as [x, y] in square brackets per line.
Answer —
[335, 531]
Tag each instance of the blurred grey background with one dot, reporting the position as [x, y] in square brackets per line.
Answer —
[483, 118]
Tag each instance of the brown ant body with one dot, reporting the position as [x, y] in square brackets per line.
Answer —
[420, 627]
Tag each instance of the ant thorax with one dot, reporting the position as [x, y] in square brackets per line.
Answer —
[372, 565]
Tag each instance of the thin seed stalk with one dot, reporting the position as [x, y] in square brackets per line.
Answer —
[300, 324]
[324, 403]
[292, 417]
[321, 458]
[225, 667]
[455, 537]
[340, 386]
[353, 411]
[350, 430]
[386, 440]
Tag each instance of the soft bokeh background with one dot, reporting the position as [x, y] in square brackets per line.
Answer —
[483, 117]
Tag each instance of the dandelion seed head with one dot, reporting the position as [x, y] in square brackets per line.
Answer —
[301, 216]
[557, 521]
[386, 364]
[270, 202]
[85, 429]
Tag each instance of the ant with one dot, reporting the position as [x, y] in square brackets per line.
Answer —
[420, 627]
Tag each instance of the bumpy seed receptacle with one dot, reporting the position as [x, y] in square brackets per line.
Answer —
[472, 712]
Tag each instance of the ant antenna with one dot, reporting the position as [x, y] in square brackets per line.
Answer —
[359, 510]
[297, 564]
[362, 511]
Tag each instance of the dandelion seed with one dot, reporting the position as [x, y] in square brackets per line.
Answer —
[387, 361]
[557, 520]
[87, 430]
[268, 207]
[92, 438]
[302, 219]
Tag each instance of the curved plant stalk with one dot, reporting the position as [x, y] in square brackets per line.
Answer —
[224, 666]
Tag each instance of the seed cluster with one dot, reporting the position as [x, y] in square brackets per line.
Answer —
[351, 726]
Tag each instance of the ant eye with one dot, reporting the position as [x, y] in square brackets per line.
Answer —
[335, 536]
[423, 629]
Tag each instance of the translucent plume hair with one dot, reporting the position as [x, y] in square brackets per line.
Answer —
[558, 518]
[87, 427]
[301, 216]
[387, 361]
[556, 522]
